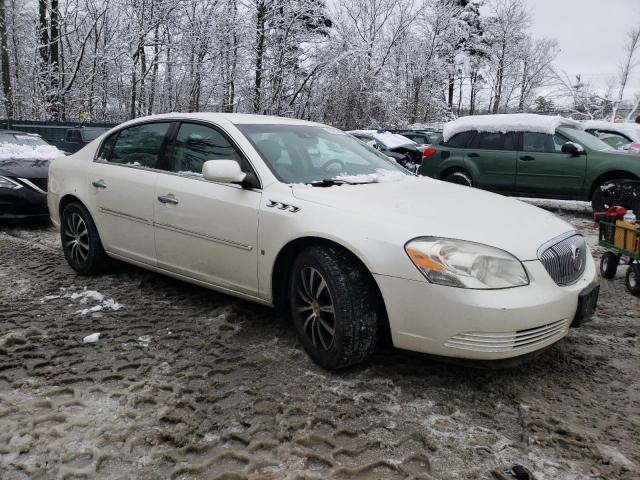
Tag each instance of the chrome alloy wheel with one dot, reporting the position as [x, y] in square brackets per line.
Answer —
[315, 308]
[77, 238]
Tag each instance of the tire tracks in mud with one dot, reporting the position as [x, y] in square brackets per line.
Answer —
[223, 390]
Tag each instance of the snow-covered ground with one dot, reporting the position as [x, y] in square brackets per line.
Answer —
[183, 382]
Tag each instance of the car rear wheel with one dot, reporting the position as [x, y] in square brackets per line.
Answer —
[334, 306]
[80, 240]
[632, 279]
[460, 178]
[609, 265]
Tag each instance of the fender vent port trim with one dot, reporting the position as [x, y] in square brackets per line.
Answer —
[283, 206]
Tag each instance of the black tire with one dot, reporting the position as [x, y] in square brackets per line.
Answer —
[632, 279]
[347, 336]
[609, 265]
[460, 178]
[80, 240]
[601, 202]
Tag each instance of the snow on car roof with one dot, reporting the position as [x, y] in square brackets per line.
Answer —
[507, 122]
[388, 139]
[631, 130]
[28, 152]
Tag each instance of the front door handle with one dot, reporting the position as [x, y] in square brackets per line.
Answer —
[168, 199]
[473, 155]
[99, 184]
[527, 158]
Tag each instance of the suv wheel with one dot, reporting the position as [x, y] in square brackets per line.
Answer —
[334, 306]
[613, 192]
[80, 240]
[460, 178]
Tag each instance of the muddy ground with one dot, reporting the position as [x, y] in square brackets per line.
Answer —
[188, 383]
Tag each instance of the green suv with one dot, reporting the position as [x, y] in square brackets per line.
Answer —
[530, 156]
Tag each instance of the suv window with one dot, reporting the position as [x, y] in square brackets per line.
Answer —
[537, 142]
[196, 144]
[140, 146]
[459, 140]
[494, 141]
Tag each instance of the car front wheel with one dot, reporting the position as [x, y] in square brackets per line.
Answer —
[80, 240]
[334, 306]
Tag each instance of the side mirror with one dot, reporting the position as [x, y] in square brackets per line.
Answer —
[223, 171]
[572, 149]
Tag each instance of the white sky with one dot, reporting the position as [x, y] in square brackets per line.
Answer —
[590, 34]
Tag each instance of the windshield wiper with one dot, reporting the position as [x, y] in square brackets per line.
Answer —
[330, 182]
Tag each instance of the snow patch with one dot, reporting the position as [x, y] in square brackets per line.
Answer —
[508, 122]
[87, 296]
[631, 130]
[388, 139]
[144, 340]
[93, 338]
[380, 176]
[29, 152]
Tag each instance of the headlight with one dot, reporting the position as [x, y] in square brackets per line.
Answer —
[458, 263]
[6, 182]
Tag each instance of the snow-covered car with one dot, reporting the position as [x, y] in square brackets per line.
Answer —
[305, 217]
[402, 149]
[24, 164]
[621, 136]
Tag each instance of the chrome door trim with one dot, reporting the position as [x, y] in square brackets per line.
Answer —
[125, 215]
[222, 241]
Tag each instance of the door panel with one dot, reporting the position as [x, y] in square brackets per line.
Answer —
[207, 231]
[124, 208]
[122, 186]
[544, 170]
[491, 157]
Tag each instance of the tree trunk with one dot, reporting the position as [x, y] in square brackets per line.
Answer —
[154, 74]
[54, 58]
[6, 74]
[260, 39]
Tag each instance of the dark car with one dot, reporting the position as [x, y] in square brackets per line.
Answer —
[421, 137]
[76, 138]
[403, 150]
[24, 166]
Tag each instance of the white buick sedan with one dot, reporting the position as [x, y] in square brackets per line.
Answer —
[302, 216]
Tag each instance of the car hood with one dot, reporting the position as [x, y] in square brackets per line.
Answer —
[25, 168]
[425, 207]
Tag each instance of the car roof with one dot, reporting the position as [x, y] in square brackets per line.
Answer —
[507, 122]
[235, 118]
[626, 128]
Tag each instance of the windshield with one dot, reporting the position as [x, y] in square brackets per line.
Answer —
[584, 138]
[23, 139]
[308, 153]
[89, 134]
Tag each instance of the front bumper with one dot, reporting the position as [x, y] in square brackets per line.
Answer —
[482, 324]
[22, 203]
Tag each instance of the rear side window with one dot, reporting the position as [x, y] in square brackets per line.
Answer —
[196, 144]
[459, 140]
[106, 147]
[494, 141]
[139, 146]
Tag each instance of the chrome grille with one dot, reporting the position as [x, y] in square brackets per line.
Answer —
[507, 341]
[565, 260]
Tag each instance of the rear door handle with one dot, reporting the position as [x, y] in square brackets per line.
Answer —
[168, 199]
[527, 158]
[473, 155]
[99, 184]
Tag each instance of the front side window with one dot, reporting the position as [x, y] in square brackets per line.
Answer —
[139, 146]
[494, 141]
[309, 153]
[196, 144]
[538, 143]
